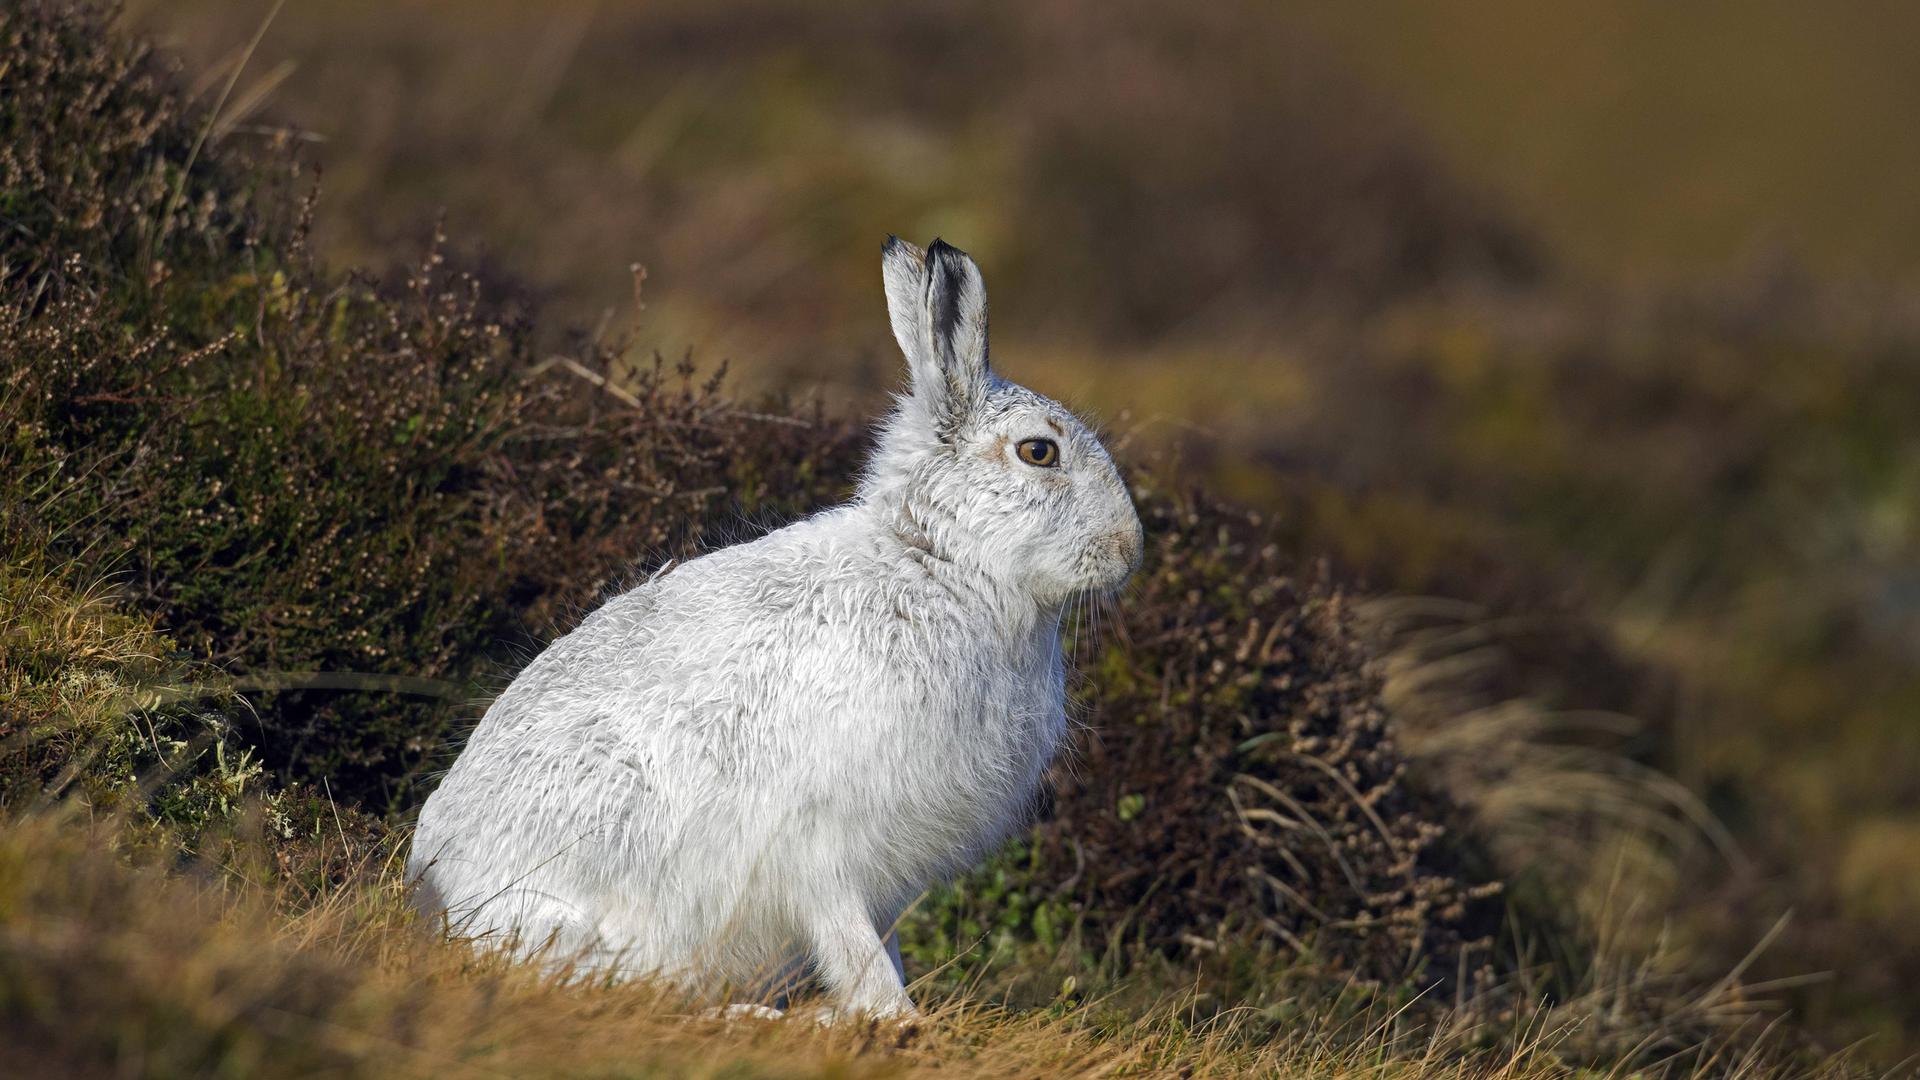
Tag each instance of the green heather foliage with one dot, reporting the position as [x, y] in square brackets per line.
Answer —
[301, 474]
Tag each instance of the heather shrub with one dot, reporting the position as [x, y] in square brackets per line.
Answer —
[354, 500]
[1236, 789]
[303, 475]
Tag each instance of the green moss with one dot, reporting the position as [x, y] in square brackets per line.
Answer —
[97, 706]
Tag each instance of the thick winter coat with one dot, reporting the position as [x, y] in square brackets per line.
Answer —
[748, 765]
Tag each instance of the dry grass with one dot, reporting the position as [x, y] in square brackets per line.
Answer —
[1549, 785]
[119, 964]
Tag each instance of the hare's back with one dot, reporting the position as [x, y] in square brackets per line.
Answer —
[697, 662]
[617, 738]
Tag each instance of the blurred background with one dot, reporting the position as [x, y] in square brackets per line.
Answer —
[1598, 322]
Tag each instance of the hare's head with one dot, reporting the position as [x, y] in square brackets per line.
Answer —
[979, 471]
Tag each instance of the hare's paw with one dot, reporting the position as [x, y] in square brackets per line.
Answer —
[835, 1014]
[741, 1011]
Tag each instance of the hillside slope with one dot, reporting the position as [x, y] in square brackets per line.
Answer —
[266, 527]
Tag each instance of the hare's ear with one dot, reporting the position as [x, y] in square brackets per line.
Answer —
[938, 305]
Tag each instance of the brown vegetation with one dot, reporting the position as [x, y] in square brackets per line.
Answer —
[332, 508]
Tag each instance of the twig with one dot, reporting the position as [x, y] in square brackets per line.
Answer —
[591, 376]
[180, 184]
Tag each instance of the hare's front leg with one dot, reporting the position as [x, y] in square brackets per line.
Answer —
[859, 969]
[893, 956]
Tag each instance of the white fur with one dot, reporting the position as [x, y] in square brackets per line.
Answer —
[757, 758]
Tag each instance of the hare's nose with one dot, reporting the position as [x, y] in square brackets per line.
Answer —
[1126, 544]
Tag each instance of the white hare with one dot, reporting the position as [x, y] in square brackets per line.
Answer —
[756, 759]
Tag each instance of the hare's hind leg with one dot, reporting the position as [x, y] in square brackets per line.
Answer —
[776, 986]
[536, 927]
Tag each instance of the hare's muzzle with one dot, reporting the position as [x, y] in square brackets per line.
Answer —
[1118, 554]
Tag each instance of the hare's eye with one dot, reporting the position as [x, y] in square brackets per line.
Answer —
[1042, 452]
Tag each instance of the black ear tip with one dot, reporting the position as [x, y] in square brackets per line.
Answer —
[940, 249]
[892, 242]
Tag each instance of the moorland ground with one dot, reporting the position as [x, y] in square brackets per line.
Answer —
[1602, 673]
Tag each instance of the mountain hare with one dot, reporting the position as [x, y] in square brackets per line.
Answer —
[756, 759]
